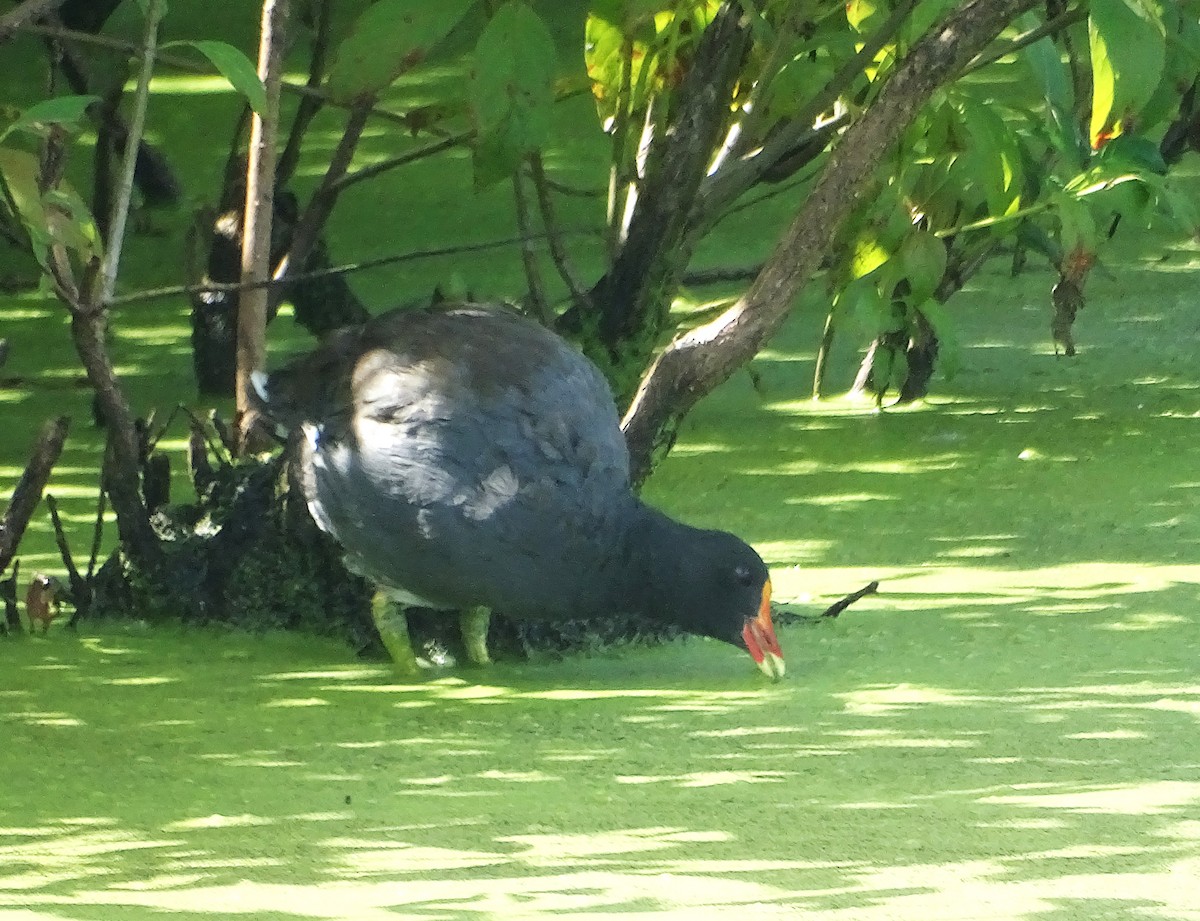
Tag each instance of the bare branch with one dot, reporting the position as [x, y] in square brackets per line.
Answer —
[310, 105]
[699, 360]
[80, 589]
[178, 63]
[235, 287]
[256, 230]
[28, 491]
[736, 177]
[533, 275]
[558, 252]
[27, 13]
[308, 227]
[120, 205]
[369, 172]
[1063, 20]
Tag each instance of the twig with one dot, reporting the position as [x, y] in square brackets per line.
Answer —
[169, 60]
[1063, 20]
[97, 533]
[558, 252]
[258, 212]
[308, 227]
[721, 274]
[369, 172]
[785, 616]
[120, 205]
[563, 188]
[81, 589]
[345, 269]
[533, 275]
[28, 491]
[835, 609]
[310, 105]
[28, 12]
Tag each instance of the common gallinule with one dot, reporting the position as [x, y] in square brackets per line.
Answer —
[468, 458]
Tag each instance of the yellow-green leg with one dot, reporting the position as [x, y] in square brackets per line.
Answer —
[393, 630]
[473, 625]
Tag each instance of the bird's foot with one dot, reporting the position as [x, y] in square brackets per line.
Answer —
[393, 631]
[473, 625]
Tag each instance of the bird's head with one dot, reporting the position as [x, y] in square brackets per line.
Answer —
[720, 588]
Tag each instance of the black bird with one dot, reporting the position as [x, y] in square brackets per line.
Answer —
[468, 458]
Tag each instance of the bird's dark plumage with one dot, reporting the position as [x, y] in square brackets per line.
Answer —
[470, 457]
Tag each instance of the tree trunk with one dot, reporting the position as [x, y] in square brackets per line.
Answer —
[122, 466]
[632, 299]
[698, 361]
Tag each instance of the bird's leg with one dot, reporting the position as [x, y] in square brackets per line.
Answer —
[393, 630]
[473, 625]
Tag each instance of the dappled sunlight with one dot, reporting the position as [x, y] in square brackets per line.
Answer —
[591, 787]
[1006, 730]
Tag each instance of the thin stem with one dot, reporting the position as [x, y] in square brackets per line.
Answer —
[124, 192]
[260, 203]
[345, 269]
[1064, 20]
[558, 252]
[533, 275]
[28, 12]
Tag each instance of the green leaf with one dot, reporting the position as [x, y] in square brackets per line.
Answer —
[235, 67]
[949, 355]
[1049, 69]
[1181, 209]
[602, 44]
[1133, 152]
[868, 256]
[862, 301]
[798, 81]
[1077, 226]
[860, 13]
[511, 90]
[993, 161]
[388, 39]
[1128, 46]
[58, 217]
[923, 260]
[66, 111]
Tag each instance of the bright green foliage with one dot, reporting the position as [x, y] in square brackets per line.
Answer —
[388, 39]
[1128, 46]
[53, 217]
[511, 90]
[64, 112]
[235, 67]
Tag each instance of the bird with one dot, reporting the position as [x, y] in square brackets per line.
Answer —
[465, 457]
[42, 601]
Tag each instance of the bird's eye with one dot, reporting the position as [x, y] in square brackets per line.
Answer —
[744, 576]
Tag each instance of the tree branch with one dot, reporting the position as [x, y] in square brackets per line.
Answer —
[28, 491]
[120, 204]
[152, 294]
[308, 227]
[310, 105]
[27, 13]
[533, 274]
[632, 298]
[736, 177]
[558, 252]
[256, 229]
[701, 359]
